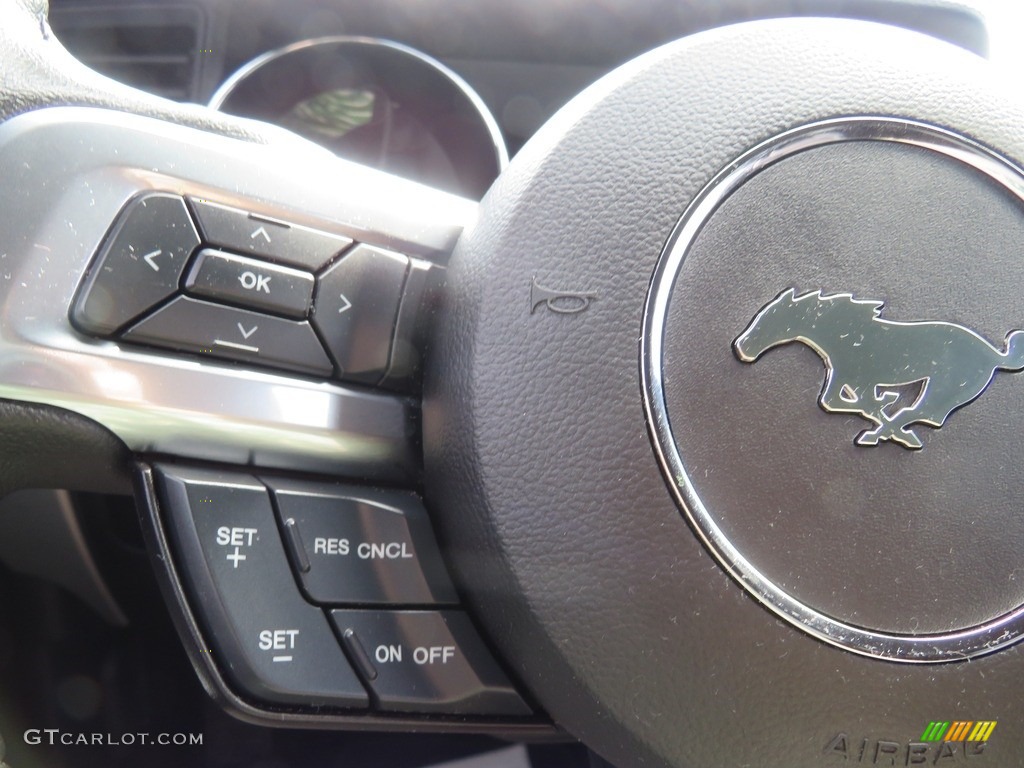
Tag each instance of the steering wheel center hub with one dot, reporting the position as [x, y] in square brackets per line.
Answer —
[562, 446]
[845, 248]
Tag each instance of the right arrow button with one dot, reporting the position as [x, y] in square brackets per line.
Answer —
[356, 306]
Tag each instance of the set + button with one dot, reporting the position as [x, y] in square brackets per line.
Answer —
[272, 643]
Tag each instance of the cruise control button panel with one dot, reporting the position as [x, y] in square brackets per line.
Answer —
[139, 265]
[205, 328]
[313, 594]
[361, 546]
[267, 638]
[423, 661]
[250, 283]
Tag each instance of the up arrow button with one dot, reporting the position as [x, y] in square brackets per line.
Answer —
[258, 235]
[261, 232]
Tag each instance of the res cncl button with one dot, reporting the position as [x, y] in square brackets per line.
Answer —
[359, 546]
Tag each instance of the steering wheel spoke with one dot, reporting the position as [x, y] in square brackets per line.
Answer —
[71, 171]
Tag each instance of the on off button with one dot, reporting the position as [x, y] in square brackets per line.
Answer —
[426, 661]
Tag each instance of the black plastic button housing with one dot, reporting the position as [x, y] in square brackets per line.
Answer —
[426, 661]
[356, 306]
[359, 546]
[265, 637]
[280, 241]
[197, 326]
[194, 275]
[251, 283]
[420, 300]
[140, 264]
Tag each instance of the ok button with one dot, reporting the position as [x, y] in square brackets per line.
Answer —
[251, 283]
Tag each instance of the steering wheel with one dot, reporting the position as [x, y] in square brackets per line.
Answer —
[719, 423]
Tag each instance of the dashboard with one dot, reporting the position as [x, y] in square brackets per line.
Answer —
[441, 92]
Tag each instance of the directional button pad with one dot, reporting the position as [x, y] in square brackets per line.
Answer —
[199, 276]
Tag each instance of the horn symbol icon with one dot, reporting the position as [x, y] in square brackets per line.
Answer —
[560, 302]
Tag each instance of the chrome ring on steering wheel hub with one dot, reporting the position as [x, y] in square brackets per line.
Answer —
[796, 546]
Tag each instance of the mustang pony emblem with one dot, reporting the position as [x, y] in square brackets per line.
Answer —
[872, 363]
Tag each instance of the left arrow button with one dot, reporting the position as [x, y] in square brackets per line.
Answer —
[139, 264]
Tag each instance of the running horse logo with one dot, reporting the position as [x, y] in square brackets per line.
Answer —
[870, 363]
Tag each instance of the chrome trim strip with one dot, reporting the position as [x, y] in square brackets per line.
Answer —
[490, 122]
[67, 172]
[976, 641]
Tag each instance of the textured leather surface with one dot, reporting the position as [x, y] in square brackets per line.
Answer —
[554, 509]
[46, 447]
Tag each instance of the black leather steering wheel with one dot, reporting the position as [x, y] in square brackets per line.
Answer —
[685, 558]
